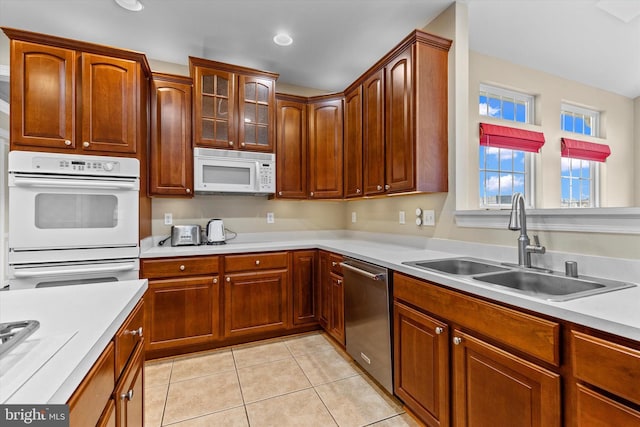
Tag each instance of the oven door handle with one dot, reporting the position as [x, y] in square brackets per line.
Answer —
[74, 183]
[48, 271]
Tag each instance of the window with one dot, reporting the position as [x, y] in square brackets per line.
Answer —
[504, 171]
[578, 183]
[579, 120]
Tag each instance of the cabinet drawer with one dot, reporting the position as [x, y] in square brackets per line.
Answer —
[594, 409]
[176, 267]
[605, 364]
[334, 263]
[128, 336]
[538, 337]
[252, 262]
[94, 392]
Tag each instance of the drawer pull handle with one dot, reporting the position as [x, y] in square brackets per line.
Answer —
[387, 186]
[358, 191]
[334, 264]
[339, 281]
[134, 332]
[128, 395]
[257, 262]
[457, 340]
[182, 267]
[439, 330]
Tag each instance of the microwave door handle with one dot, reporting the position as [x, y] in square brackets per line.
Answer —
[64, 183]
[47, 272]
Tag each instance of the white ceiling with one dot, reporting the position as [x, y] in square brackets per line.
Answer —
[337, 40]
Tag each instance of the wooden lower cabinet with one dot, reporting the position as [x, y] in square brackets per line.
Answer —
[129, 393]
[336, 324]
[596, 410]
[331, 295]
[492, 387]
[108, 418]
[421, 371]
[303, 289]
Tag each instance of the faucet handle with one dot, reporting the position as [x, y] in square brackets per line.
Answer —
[537, 248]
[536, 240]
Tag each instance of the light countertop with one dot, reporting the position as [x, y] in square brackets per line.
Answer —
[615, 312]
[86, 316]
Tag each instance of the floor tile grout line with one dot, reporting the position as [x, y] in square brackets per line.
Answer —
[166, 396]
[326, 407]
[202, 415]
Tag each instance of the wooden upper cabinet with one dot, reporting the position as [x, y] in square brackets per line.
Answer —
[109, 103]
[373, 132]
[43, 82]
[353, 143]
[75, 97]
[291, 148]
[171, 153]
[400, 139]
[325, 148]
[234, 107]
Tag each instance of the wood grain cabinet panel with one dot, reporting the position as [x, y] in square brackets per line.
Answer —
[421, 364]
[303, 287]
[373, 132]
[159, 268]
[492, 387]
[291, 148]
[353, 178]
[325, 148]
[595, 410]
[336, 324]
[607, 365]
[331, 295]
[129, 393]
[130, 335]
[43, 80]
[171, 152]
[256, 262]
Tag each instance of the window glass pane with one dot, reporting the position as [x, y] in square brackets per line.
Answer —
[492, 184]
[492, 158]
[483, 105]
[506, 159]
[481, 154]
[494, 107]
[567, 122]
[518, 183]
[518, 161]
[565, 164]
[585, 195]
[578, 125]
[586, 169]
[575, 168]
[508, 109]
[521, 113]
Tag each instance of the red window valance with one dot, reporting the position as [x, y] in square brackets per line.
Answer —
[511, 138]
[585, 150]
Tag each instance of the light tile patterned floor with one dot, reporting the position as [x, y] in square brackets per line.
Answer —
[303, 380]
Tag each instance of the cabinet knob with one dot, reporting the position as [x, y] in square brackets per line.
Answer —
[379, 187]
[339, 281]
[85, 144]
[257, 262]
[188, 190]
[439, 330]
[230, 143]
[358, 191]
[215, 280]
[134, 332]
[333, 263]
[128, 395]
[457, 340]
[67, 142]
[182, 267]
[311, 194]
[228, 279]
[279, 193]
[242, 144]
[387, 186]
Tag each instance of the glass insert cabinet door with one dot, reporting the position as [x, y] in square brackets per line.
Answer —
[214, 108]
[256, 113]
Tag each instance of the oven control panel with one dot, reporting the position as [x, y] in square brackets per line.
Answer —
[72, 164]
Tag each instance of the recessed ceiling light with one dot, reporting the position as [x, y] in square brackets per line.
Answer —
[132, 5]
[282, 39]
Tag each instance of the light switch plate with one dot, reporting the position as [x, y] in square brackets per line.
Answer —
[168, 219]
[354, 217]
[270, 218]
[428, 217]
[401, 217]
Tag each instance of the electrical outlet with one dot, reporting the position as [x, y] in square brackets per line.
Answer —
[270, 218]
[168, 219]
[354, 217]
[428, 217]
[401, 217]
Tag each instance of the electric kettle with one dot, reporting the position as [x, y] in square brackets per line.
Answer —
[215, 232]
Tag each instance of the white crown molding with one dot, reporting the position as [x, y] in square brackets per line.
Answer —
[599, 220]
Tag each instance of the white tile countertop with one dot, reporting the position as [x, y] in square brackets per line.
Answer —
[616, 312]
[82, 318]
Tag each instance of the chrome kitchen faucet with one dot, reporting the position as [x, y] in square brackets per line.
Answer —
[518, 221]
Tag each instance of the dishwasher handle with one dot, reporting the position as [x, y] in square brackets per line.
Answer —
[372, 276]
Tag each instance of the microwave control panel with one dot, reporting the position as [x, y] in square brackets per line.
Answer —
[267, 177]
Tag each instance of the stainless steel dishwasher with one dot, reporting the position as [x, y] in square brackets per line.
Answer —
[367, 318]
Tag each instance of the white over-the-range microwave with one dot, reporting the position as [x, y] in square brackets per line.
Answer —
[230, 171]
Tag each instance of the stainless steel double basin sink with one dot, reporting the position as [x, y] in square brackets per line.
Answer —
[543, 284]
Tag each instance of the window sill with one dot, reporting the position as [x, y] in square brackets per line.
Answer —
[600, 220]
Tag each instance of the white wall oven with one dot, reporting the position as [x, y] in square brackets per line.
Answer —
[72, 217]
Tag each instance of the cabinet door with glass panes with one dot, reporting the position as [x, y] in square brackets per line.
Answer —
[234, 107]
